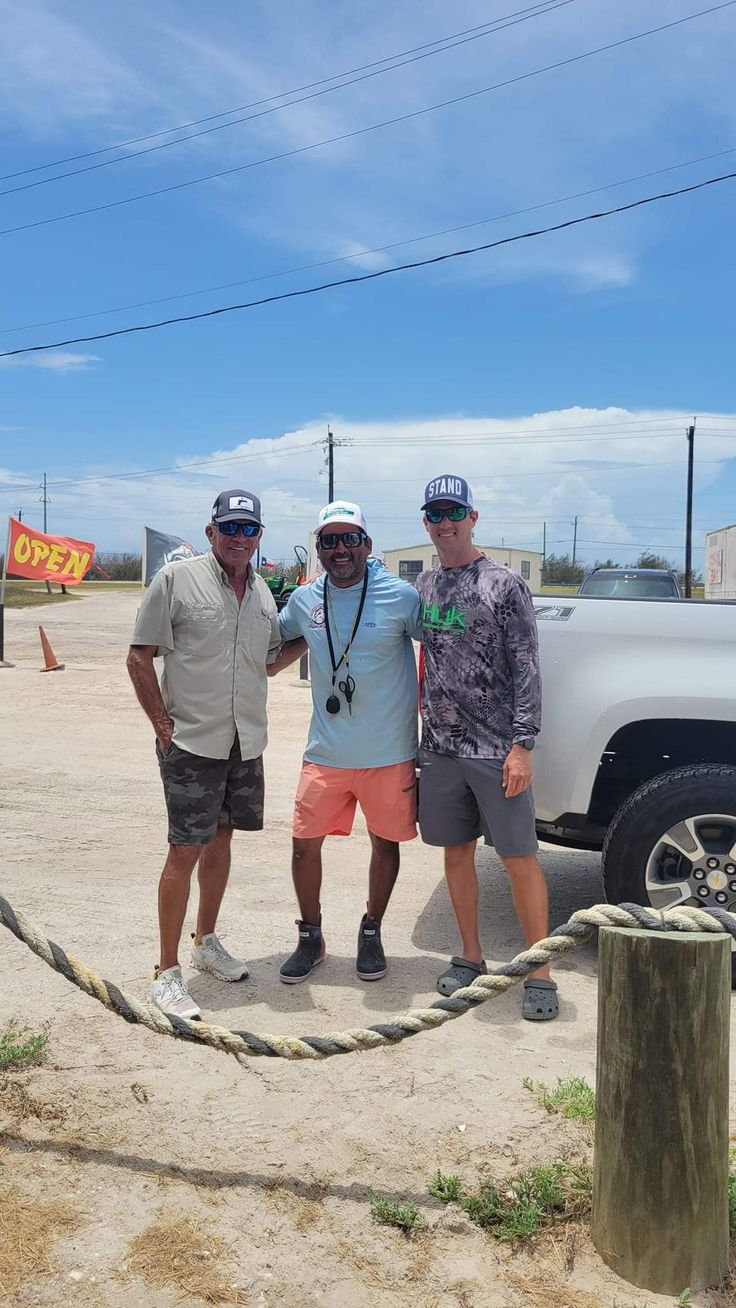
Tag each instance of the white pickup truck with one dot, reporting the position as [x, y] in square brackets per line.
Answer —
[637, 753]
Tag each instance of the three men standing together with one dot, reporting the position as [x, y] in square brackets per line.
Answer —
[215, 622]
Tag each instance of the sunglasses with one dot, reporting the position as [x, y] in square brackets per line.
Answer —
[457, 513]
[232, 528]
[329, 540]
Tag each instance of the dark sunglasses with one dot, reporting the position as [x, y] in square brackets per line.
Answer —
[329, 540]
[232, 528]
[457, 513]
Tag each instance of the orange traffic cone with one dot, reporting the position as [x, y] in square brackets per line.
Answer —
[49, 657]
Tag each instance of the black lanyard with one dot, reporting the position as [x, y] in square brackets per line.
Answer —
[348, 685]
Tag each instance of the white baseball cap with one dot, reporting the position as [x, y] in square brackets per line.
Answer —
[343, 512]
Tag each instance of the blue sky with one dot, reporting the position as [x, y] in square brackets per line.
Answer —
[556, 374]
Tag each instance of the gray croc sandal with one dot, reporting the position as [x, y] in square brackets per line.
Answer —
[540, 1002]
[460, 973]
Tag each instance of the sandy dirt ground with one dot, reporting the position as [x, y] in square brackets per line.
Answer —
[135, 1131]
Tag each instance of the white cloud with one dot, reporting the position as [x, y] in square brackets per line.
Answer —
[620, 472]
[607, 270]
[54, 75]
[59, 361]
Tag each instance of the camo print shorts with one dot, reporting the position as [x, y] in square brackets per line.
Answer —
[203, 794]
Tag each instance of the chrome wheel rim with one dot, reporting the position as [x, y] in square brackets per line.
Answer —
[694, 862]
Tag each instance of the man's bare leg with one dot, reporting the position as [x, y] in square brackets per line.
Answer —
[213, 873]
[306, 871]
[173, 897]
[462, 883]
[382, 874]
[529, 893]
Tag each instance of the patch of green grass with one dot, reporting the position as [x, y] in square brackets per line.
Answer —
[406, 1217]
[528, 1202]
[26, 599]
[573, 1098]
[19, 1048]
[447, 1188]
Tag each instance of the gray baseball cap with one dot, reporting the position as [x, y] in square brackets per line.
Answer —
[449, 487]
[236, 506]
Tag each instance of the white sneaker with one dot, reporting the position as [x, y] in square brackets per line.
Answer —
[212, 956]
[169, 993]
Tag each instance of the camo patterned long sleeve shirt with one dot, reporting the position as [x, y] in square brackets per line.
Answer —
[481, 690]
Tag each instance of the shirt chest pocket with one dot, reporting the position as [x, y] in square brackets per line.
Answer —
[259, 635]
[203, 630]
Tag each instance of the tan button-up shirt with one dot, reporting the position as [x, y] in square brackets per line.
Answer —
[215, 653]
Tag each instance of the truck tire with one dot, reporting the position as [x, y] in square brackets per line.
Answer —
[675, 839]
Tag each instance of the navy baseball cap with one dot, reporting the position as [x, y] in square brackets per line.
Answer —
[236, 506]
[454, 489]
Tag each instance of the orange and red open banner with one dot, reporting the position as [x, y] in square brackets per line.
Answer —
[47, 558]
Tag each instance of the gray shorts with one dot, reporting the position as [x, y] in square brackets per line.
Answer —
[203, 794]
[461, 799]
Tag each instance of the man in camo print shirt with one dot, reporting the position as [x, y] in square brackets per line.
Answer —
[481, 711]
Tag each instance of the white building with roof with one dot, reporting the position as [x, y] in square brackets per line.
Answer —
[407, 563]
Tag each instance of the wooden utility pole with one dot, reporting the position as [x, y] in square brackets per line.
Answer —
[45, 501]
[330, 465]
[660, 1180]
[690, 433]
[574, 537]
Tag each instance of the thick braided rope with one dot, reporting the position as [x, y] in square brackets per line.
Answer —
[247, 1044]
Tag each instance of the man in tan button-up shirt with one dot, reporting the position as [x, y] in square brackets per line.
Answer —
[214, 622]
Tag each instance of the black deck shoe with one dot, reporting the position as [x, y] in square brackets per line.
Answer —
[371, 961]
[309, 952]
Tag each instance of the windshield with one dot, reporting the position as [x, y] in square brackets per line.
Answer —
[629, 586]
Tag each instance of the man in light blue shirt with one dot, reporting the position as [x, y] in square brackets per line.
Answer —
[357, 620]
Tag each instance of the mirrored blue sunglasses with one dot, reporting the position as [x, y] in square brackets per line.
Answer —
[232, 528]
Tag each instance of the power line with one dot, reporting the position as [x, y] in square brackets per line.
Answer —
[490, 439]
[295, 90]
[381, 272]
[176, 467]
[577, 427]
[554, 470]
[378, 249]
[442, 439]
[497, 25]
[11, 488]
[621, 545]
[527, 436]
[362, 131]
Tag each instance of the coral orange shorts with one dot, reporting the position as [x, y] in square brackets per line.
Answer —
[326, 799]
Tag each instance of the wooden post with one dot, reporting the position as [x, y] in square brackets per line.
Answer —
[660, 1181]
